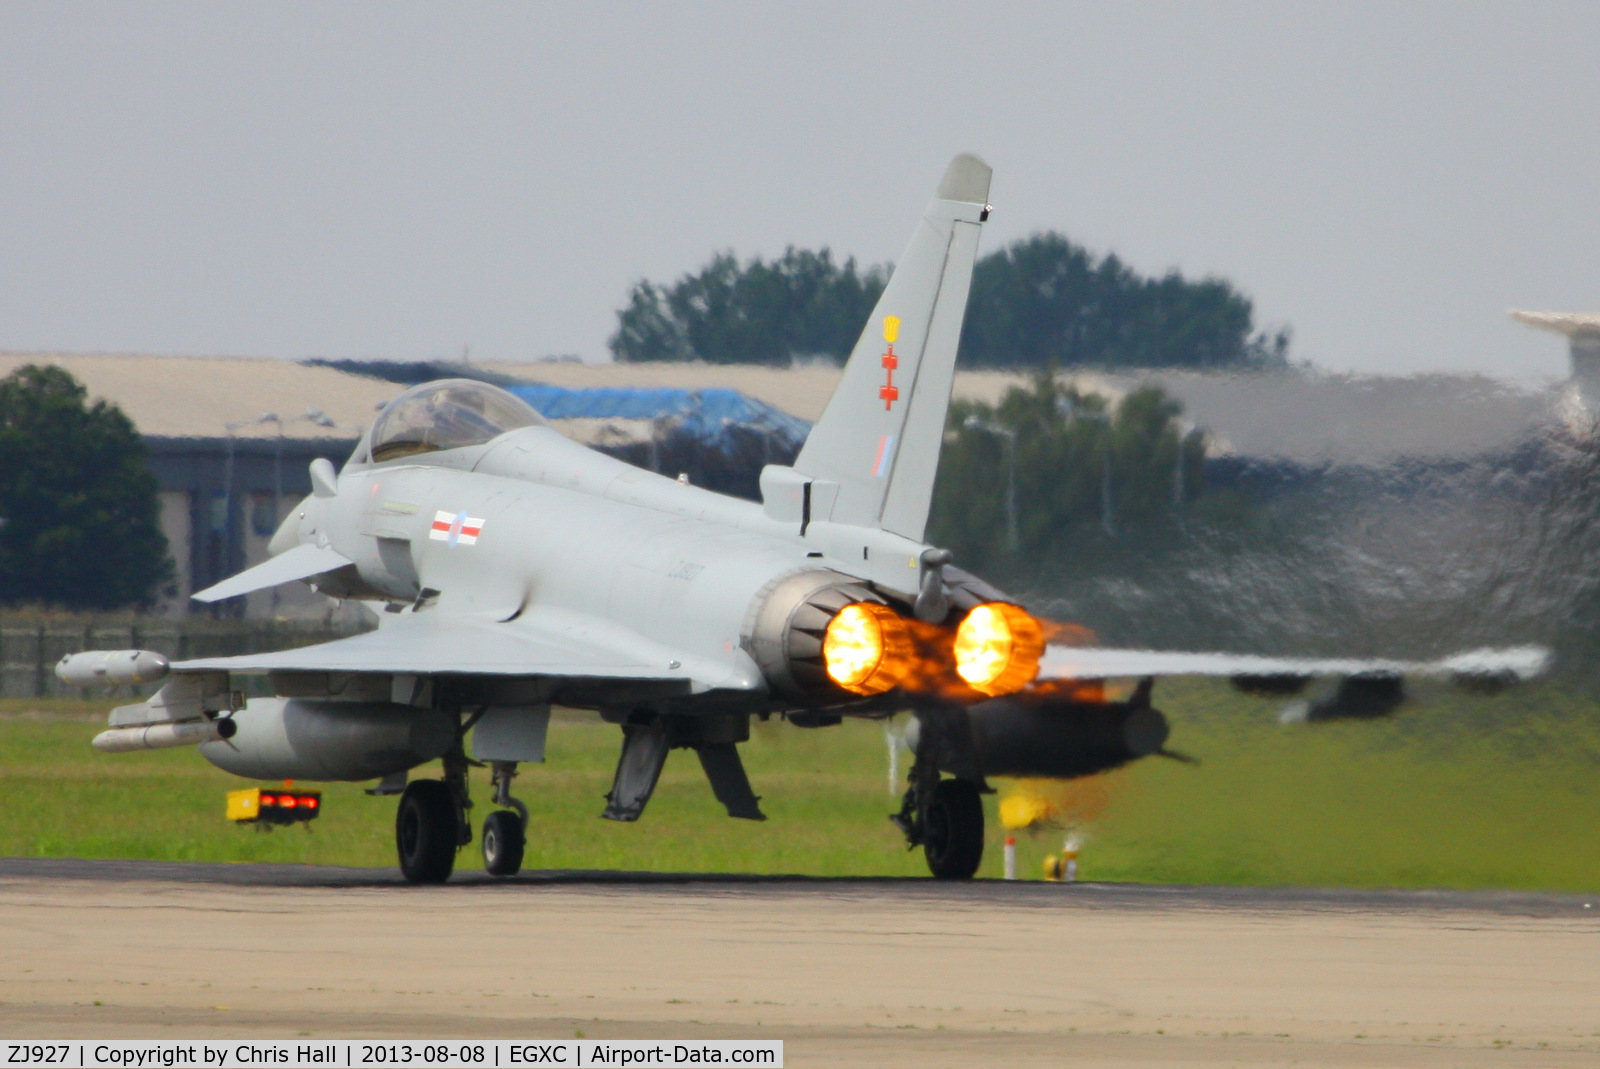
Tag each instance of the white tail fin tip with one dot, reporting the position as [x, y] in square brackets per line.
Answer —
[966, 179]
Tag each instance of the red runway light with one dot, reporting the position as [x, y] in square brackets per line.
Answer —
[273, 807]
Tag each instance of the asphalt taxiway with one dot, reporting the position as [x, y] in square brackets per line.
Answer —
[847, 972]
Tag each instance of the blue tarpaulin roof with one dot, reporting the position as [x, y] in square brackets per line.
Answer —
[706, 414]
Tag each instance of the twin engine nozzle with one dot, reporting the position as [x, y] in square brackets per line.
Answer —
[817, 634]
[869, 648]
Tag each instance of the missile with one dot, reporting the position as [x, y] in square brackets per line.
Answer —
[111, 668]
[162, 736]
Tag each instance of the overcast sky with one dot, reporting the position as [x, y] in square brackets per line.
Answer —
[401, 180]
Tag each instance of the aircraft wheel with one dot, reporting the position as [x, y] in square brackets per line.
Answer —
[503, 840]
[425, 831]
[953, 830]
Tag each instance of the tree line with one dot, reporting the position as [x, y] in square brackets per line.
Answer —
[80, 523]
[1039, 302]
[1048, 468]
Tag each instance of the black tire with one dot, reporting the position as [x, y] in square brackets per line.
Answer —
[425, 829]
[503, 841]
[952, 832]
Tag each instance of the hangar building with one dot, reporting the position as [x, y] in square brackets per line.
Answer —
[230, 439]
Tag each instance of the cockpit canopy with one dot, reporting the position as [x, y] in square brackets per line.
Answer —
[447, 414]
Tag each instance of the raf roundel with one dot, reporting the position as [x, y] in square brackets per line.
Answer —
[456, 528]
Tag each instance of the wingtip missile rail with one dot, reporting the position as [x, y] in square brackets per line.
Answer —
[112, 668]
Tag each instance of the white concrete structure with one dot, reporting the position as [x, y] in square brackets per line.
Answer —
[1582, 330]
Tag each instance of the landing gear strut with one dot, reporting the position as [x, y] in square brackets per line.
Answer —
[504, 831]
[943, 816]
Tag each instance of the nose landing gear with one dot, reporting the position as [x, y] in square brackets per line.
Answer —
[503, 842]
[504, 831]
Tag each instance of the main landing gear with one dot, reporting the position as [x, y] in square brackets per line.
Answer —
[432, 823]
[426, 831]
[952, 830]
[943, 816]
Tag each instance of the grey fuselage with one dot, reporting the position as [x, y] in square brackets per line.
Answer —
[669, 574]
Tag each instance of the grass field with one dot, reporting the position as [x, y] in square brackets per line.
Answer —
[1456, 791]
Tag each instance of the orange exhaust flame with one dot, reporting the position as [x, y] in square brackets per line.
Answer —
[867, 648]
[1058, 634]
[870, 649]
[997, 649]
[1073, 690]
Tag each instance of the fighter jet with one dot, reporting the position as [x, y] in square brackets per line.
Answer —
[514, 569]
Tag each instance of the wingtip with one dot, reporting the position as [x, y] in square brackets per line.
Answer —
[966, 179]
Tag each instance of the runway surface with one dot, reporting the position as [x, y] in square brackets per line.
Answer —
[847, 972]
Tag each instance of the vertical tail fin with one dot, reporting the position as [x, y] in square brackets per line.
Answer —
[879, 437]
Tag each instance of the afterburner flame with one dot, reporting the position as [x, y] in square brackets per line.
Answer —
[867, 648]
[997, 649]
